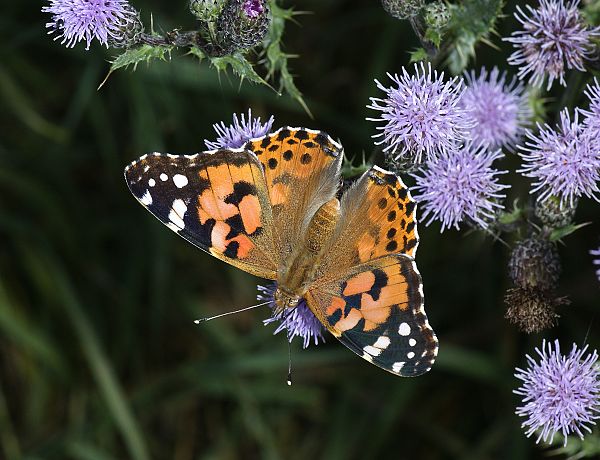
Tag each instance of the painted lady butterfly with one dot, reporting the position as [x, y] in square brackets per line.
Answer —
[270, 209]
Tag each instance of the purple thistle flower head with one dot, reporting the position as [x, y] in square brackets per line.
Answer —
[560, 393]
[237, 134]
[460, 186]
[420, 114]
[77, 20]
[592, 116]
[299, 322]
[500, 109]
[253, 8]
[596, 252]
[564, 162]
[554, 38]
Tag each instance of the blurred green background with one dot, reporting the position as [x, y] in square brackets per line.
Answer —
[99, 355]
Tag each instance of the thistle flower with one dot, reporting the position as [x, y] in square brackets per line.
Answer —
[532, 310]
[560, 393]
[237, 134]
[554, 38]
[500, 108]
[592, 116]
[564, 163]
[534, 263]
[109, 21]
[421, 113]
[596, 252]
[242, 24]
[460, 186]
[299, 322]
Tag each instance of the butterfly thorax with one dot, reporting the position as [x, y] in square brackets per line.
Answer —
[299, 270]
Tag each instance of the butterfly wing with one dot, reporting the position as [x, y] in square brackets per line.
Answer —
[302, 171]
[217, 200]
[378, 219]
[376, 310]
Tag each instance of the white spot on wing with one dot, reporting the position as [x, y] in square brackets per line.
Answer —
[412, 342]
[163, 177]
[382, 342]
[173, 227]
[151, 182]
[177, 212]
[410, 355]
[146, 198]
[397, 367]
[371, 350]
[404, 329]
[367, 357]
[180, 180]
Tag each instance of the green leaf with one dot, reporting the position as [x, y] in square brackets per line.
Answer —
[560, 233]
[240, 66]
[507, 218]
[276, 60]
[419, 55]
[133, 56]
[472, 22]
[434, 36]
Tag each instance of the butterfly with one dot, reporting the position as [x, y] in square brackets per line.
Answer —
[271, 208]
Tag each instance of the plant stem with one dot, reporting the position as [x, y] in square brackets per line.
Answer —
[182, 39]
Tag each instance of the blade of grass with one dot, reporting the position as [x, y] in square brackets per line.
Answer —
[49, 275]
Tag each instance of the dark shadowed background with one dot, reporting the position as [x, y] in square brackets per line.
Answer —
[99, 355]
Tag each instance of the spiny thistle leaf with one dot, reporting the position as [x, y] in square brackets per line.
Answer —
[133, 56]
[240, 66]
[559, 233]
[419, 55]
[350, 170]
[276, 60]
[472, 21]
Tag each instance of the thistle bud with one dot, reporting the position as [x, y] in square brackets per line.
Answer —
[554, 214]
[127, 29]
[242, 24]
[206, 10]
[437, 15]
[531, 309]
[402, 9]
[534, 263]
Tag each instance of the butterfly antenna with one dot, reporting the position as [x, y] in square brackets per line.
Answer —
[289, 341]
[203, 320]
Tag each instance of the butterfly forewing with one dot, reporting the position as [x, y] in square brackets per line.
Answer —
[302, 171]
[216, 200]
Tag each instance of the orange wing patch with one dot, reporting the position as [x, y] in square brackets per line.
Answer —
[369, 296]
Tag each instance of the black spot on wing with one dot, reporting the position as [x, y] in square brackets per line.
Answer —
[335, 316]
[232, 249]
[381, 281]
[301, 134]
[284, 133]
[240, 190]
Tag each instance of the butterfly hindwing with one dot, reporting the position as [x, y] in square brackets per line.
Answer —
[376, 310]
[217, 200]
[302, 171]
